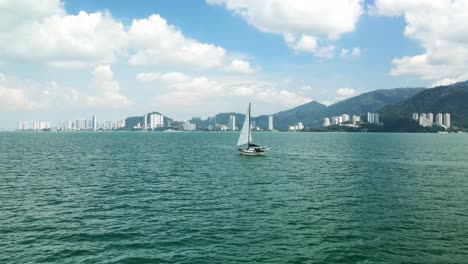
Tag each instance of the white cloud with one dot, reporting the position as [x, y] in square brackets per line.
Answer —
[448, 81]
[14, 98]
[200, 94]
[168, 78]
[351, 54]
[25, 95]
[159, 43]
[240, 66]
[43, 32]
[106, 91]
[344, 93]
[440, 27]
[299, 21]
[303, 43]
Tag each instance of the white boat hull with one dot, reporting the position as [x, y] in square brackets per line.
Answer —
[252, 152]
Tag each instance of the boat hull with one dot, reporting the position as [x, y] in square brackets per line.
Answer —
[251, 152]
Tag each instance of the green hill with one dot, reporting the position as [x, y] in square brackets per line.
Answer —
[307, 114]
[371, 101]
[451, 99]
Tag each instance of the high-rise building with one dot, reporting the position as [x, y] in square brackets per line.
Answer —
[356, 119]
[300, 126]
[345, 118]
[430, 117]
[189, 126]
[232, 123]
[335, 121]
[424, 121]
[156, 120]
[270, 123]
[94, 123]
[326, 122]
[145, 122]
[447, 120]
[415, 116]
[373, 118]
[439, 119]
[423, 115]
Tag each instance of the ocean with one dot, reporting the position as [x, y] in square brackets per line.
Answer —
[189, 197]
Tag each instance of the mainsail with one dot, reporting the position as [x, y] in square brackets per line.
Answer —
[245, 135]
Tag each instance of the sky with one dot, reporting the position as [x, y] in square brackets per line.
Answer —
[71, 59]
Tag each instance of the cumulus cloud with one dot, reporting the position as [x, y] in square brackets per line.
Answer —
[159, 43]
[240, 66]
[344, 93]
[439, 26]
[299, 21]
[105, 90]
[42, 31]
[25, 95]
[34, 31]
[192, 92]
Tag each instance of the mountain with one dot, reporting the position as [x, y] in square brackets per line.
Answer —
[223, 118]
[306, 113]
[451, 99]
[371, 101]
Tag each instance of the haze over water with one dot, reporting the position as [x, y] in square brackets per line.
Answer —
[191, 198]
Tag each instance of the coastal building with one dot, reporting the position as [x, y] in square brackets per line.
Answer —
[447, 120]
[156, 120]
[335, 120]
[439, 119]
[326, 122]
[430, 117]
[270, 123]
[424, 121]
[23, 125]
[145, 121]
[345, 118]
[94, 123]
[189, 126]
[373, 118]
[356, 119]
[415, 116]
[232, 123]
[423, 115]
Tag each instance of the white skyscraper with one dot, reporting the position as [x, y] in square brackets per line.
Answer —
[232, 123]
[430, 116]
[423, 115]
[373, 118]
[189, 126]
[447, 120]
[326, 122]
[270, 123]
[94, 123]
[415, 116]
[145, 122]
[356, 119]
[156, 120]
[439, 119]
[345, 118]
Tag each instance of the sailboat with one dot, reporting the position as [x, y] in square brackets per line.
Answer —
[246, 147]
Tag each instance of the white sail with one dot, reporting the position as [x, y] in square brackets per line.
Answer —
[245, 135]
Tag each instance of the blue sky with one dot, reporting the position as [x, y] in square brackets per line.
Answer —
[74, 58]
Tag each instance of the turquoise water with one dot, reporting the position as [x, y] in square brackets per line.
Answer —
[190, 198]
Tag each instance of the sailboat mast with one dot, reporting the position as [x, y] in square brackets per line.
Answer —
[249, 125]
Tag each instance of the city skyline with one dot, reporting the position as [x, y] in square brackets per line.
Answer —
[117, 59]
